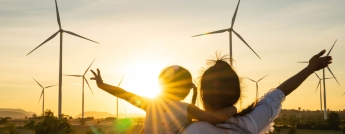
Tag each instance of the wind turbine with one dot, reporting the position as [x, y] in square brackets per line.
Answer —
[257, 87]
[324, 81]
[117, 100]
[60, 63]
[230, 30]
[83, 79]
[319, 84]
[42, 94]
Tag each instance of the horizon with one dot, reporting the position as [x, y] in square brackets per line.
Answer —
[139, 39]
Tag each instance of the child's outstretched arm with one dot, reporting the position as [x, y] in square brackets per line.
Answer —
[211, 117]
[315, 63]
[134, 99]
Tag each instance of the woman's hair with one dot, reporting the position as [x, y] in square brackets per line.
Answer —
[176, 82]
[228, 86]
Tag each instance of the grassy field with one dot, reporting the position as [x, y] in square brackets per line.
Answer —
[82, 129]
[304, 131]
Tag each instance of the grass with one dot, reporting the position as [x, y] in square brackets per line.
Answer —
[305, 131]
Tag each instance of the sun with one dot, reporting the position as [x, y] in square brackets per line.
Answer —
[142, 79]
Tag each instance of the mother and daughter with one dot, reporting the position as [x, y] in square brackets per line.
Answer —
[220, 91]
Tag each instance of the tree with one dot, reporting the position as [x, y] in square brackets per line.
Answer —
[34, 116]
[333, 120]
[9, 128]
[52, 125]
[3, 121]
[30, 125]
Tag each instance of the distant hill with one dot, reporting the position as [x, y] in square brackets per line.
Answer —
[97, 114]
[15, 113]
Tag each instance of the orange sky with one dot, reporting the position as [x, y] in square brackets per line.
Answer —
[138, 39]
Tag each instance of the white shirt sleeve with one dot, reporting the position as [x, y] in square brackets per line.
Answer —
[267, 109]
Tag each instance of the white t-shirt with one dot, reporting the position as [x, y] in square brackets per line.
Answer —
[259, 121]
[165, 116]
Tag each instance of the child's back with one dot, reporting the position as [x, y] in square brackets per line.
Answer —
[165, 116]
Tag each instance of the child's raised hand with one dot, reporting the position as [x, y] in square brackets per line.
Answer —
[317, 62]
[97, 77]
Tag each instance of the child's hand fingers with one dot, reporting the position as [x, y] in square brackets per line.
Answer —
[93, 78]
[320, 53]
[99, 73]
[94, 73]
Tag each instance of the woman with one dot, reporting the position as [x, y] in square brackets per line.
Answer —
[220, 88]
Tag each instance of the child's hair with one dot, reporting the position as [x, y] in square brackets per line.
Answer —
[176, 81]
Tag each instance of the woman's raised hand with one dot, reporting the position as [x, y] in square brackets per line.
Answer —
[97, 77]
[317, 62]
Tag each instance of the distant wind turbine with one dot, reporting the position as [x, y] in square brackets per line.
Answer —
[324, 82]
[60, 63]
[83, 79]
[257, 87]
[230, 30]
[117, 100]
[319, 84]
[42, 94]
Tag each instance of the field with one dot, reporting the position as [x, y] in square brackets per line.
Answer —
[304, 131]
[82, 129]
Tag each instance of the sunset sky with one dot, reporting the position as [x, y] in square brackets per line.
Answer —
[139, 38]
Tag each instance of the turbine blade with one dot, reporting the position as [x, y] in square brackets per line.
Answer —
[262, 78]
[302, 62]
[88, 85]
[318, 85]
[120, 81]
[329, 78]
[71, 33]
[74, 75]
[249, 78]
[41, 96]
[214, 32]
[37, 82]
[317, 76]
[333, 75]
[51, 37]
[89, 66]
[239, 36]
[343, 94]
[234, 17]
[51, 86]
[57, 14]
[332, 47]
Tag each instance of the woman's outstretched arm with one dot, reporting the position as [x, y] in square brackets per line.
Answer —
[134, 99]
[211, 117]
[315, 63]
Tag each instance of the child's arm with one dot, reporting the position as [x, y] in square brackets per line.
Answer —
[211, 117]
[134, 99]
[315, 63]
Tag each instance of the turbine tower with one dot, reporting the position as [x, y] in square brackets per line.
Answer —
[230, 30]
[319, 84]
[60, 62]
[257, 87]
[117, 100]
[42, 94]
[324, 82]
[83, 79]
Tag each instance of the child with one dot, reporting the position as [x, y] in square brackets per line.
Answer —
[166, 113]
